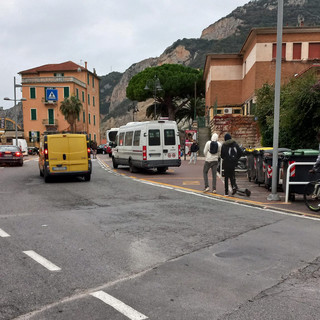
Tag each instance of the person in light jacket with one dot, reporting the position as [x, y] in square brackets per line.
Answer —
[211, 162]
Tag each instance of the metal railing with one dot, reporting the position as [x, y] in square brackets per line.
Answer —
[52, 80]
[49, 122]
[288, 183]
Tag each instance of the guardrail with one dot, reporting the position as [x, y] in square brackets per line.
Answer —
[288, 183]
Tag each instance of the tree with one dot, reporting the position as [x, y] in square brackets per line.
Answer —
[177, 83]
[71, 108]
[187, 113]
[299, 112]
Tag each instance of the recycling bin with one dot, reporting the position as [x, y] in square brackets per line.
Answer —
[267, 165]
[299, 173]
[258, 164]
[251, 172]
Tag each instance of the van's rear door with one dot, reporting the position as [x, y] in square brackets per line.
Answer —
[67, 153]
[155, 142]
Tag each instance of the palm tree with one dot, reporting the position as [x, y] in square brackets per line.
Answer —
[71, 108]
[187, 112]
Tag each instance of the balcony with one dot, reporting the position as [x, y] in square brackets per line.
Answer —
[49, 103]
[50, 123]
[52, 80]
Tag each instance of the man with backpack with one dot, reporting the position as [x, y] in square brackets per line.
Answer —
[211, 151]
[230, 154]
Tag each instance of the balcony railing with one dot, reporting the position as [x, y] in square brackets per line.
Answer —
[53, 80]
[50, 122]
[49, 103]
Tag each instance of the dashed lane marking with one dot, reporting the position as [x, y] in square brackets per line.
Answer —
[119, 305]
[3, 234]
[41, 260]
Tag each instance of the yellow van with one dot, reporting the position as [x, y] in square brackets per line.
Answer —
[64, 154]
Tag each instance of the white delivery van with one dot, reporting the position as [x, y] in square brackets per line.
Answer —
[146, 145]
[22, 144]
[111, 135]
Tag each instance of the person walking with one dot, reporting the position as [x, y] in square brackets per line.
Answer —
[194, 150]
[211, 151]
[94, 147]
[230, 154]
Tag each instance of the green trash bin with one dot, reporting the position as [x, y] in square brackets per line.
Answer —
[299, 173]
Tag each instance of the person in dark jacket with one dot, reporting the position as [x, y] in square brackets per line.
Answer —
[230, 154]
[194, 151]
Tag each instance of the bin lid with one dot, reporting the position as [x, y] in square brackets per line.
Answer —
[281, 151]
[302, 152]
[261, 150]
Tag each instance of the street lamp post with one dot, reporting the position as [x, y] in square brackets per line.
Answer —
[155, 83]
[134, 109]
[15, 85]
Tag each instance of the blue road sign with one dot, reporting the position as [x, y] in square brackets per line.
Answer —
[51, 94]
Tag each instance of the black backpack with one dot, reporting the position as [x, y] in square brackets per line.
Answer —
[213, 147]
[233, 154]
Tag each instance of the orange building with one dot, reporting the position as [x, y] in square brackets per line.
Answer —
[45, 87]
[232, 79]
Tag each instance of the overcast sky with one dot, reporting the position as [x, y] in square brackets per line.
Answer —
[110, 35]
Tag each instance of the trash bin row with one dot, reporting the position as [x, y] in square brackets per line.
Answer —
[259, 167]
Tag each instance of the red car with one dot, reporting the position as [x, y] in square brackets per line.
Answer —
[104, 148]
[11, 155]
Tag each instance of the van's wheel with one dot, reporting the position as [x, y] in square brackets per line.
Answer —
[115, 165]
[132, 168]
[46, 176]
[87, 177]
[162, 169]
[41, 173]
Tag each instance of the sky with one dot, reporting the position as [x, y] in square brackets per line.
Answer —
[110, 35]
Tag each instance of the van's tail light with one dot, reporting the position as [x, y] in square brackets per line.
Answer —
[46, 154]
[144, 152]
[89, 152]
[179, 151]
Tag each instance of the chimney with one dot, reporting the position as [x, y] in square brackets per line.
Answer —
[85, 64]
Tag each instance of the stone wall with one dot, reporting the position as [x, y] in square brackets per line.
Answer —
[244, 129]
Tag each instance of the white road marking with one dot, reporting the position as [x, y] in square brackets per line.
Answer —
[4, 234]
[119, 305]
[43, 261]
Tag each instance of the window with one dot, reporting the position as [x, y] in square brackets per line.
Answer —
[88, 98]
[121, 138]
[84, 117]
[94, 119]
[32, 93]
[128, 138]
[88, 78]
[296, 55]
[66, 92]
[50, 116]
[169, 137]
[93, 101]
[34, 136]
[93, 81]
[77, 93]
[274, 51]
[58, 74]
[95, 137]
[82, 96]
[136, 138]
[154, 137]
[89, 118]
[33, 114]
[314, 50]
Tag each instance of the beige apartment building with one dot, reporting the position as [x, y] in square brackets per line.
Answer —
[232, 79]
[45, 87]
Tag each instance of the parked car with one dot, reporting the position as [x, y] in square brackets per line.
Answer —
[104, 148]
[33, 150]
[11, 155]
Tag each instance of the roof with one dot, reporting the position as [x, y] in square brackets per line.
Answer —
[64, 66]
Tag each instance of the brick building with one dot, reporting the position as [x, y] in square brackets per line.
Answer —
[232, 79]
[45, 87]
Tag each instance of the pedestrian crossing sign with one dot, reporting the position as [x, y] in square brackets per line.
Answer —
[51, 94]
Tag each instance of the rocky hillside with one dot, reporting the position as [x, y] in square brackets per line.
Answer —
[226, 35]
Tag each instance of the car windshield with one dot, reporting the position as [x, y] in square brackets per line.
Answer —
[9, 148]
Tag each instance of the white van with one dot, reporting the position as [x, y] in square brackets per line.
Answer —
[149, 144]
[111, 135]
[22, 144]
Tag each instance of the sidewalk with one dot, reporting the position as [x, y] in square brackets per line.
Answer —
[190, 176]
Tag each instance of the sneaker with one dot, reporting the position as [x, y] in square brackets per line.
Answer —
[207, 189]
[234, 190]
[214, 191]
[226, 195]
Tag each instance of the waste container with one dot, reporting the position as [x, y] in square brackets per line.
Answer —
[251, 171]
[299, 173]
[258, 164]
[267, 165]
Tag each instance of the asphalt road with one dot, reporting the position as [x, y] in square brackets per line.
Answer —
[124, 248]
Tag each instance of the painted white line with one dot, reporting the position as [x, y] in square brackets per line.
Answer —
[4, 234]
[43, 261]
[119, 305]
